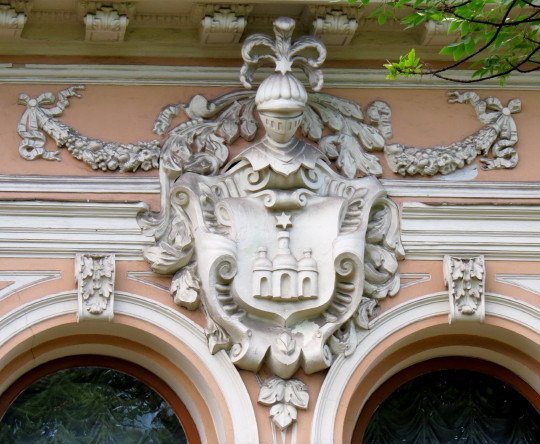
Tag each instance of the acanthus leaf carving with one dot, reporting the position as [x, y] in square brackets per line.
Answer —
[106, 22]
[498, 136]
[465, 278]
[95, 275]
[334, 25]
[270, 294]
[223, 24]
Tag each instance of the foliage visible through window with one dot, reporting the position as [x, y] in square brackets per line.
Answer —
[454, 406]
[90, 405]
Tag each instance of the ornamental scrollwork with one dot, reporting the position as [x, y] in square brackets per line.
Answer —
[238, 234]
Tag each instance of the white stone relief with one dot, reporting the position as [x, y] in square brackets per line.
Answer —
[106, 22]
[284, 397]
[334, 26]
[465, 278]
[223, 24]
[275, 287]
[498, 136]
[12, 19]
[95, 275]
[39, 119]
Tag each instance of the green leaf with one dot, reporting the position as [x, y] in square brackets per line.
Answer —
[454, 26]
[381, 19]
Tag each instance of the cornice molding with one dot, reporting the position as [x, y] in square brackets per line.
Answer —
[229, 77]
[420, 188]
[61, 229]
[498, 232]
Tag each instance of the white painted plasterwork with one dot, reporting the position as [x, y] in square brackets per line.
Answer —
[527, 282]
[228, 76]
[223, 372]
[20, 280]
[150, 185]
[239, 236]
[95, 275]
[399, 317]
[223, 24]
[465, 279]
[496, 231]
[60, 229]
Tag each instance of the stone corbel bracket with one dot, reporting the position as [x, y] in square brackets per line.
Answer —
[95, 275]
[223, 24]
[335, 26]
[436, 34]
[106, 22]
[13, 16]
[465, 278]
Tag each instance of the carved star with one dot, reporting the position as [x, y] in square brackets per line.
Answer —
[284, 221]
[284, 65]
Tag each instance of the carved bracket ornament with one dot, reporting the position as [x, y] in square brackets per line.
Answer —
[95, 281]
[465, 278]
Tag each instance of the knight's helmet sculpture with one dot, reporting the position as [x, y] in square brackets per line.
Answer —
[286, 257]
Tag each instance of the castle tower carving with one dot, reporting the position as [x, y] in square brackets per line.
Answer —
[284, 278]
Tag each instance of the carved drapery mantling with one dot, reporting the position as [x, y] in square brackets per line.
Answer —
[240, 238]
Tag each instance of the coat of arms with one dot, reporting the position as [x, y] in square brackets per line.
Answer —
[286, 257]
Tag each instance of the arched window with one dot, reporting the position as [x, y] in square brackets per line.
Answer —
[451, 406]
[93, 399]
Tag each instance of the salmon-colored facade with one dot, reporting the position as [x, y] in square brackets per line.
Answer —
[53, 210]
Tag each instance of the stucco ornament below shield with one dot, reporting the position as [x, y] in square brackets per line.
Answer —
[287, 258]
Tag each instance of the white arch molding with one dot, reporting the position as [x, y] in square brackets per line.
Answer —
[403, 315]
[224, 374]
